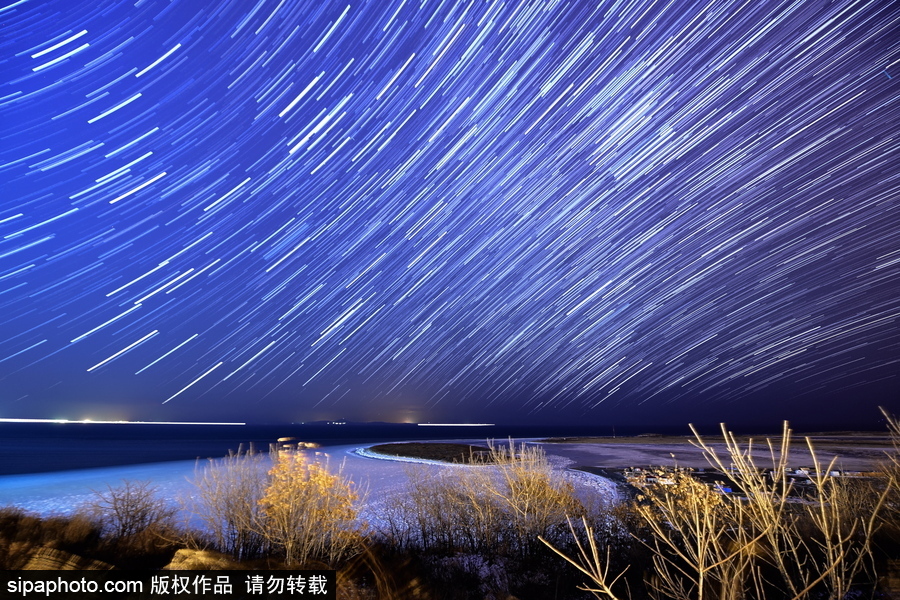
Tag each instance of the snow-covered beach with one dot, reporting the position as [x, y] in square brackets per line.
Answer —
[377, 476]
[591, 489]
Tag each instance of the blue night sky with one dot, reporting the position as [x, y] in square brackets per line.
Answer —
[437, 210]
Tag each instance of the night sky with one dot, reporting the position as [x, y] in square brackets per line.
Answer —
[431, 210]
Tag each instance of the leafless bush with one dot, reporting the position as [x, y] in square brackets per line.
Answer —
[225, 500]
[309, 512]
[130, 509]
[432, 510]
[496, 509]
[252, 504]
[444, 511]
[536, 499]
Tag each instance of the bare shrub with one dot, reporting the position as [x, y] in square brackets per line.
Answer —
[251, 504]
[536, 499]
[497, 509]
[694, 542]
[446, 510]
[482, 522]
[130, 509]
[225, 500]
[426, 515]
[308, 512]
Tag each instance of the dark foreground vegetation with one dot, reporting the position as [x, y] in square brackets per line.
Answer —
[512, 528]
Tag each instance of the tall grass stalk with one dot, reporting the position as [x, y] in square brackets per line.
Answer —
[768, 538]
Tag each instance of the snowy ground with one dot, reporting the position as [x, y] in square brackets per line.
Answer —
[387, 476]
[378, 476]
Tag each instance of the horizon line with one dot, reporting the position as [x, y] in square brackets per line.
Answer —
[455, 424]
[12, 420]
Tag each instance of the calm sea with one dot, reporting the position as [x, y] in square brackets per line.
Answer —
[44, 447]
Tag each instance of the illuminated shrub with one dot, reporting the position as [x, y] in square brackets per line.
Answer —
[309, 512]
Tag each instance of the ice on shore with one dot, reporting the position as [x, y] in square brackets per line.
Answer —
[377, 477]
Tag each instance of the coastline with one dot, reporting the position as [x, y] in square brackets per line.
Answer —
[58, 491]
[607, 489]
[851, 452]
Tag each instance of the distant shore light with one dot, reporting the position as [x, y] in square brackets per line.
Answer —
[456, 424]
[92, 422]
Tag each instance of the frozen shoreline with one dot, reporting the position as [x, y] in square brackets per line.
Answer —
[368, 453]
[376, 475]
[606, 488]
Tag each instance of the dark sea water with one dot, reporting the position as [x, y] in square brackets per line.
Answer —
[45, 447]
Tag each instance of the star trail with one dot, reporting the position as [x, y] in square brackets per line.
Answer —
[293, 210]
